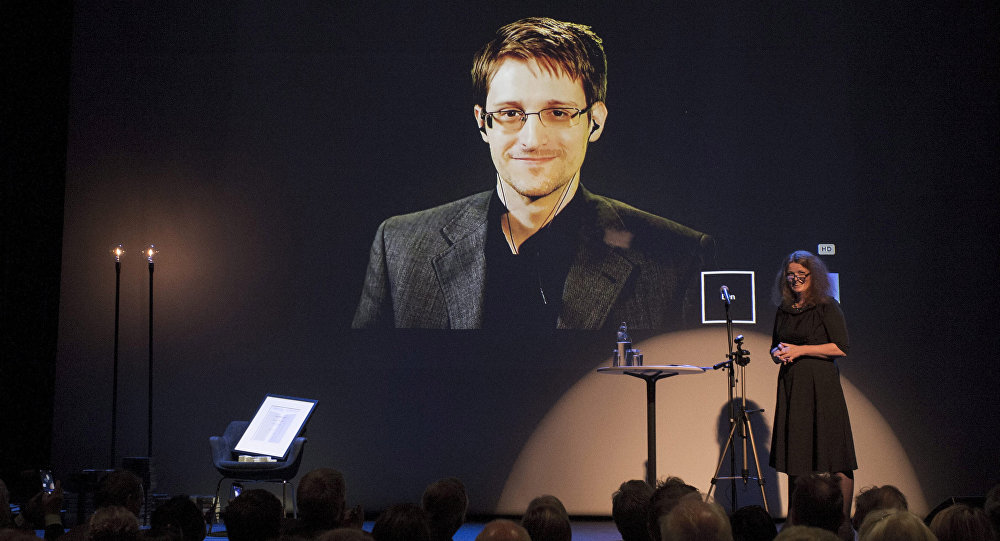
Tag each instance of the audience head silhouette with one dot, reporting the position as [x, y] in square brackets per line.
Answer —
[893, 525]
[401, 522]
[667, 494]
[629, 509]
[546, 519]
[792, 532]
[113, 523]
[992, 508]
[817, 501]
[122, 488]
[345, 534]
[503, 530]
[694, 520]
[872, 498]
[752, 523]
[961, 522]
[321, 497]
[180, 514]
[5, 518]
[445, 503]
[254, 515]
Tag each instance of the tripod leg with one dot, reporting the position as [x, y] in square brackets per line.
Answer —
[722, 458]
[756, 461]
[744, 433]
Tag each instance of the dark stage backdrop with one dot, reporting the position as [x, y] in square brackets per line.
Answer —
[259, 145]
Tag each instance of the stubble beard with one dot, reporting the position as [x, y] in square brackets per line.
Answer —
[535, 191]
[534, 187]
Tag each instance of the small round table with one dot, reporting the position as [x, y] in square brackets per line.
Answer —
[651, 374]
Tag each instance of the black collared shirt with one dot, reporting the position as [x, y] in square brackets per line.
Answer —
[525, 289]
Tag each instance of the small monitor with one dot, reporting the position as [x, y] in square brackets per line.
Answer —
[278, 420]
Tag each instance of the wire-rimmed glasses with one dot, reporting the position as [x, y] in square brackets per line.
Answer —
[512, 119]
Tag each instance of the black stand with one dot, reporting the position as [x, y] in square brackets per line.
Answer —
[149, 435]
[651, 380]
[114, 377]
[651, 374]
[737, 360]
[145, 464]
[732, 402]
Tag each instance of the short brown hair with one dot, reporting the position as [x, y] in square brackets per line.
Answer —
[876, 497]
[889, 524]
[960, 522]
[321, 494]
[561, 46]
[695, 519]
[113, 523]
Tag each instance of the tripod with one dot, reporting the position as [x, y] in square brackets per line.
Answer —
[737, 371]
[736, 362]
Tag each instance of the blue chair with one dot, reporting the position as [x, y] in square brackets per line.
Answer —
[227, 463]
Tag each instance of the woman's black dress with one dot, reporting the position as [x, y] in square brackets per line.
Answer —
[812, 431]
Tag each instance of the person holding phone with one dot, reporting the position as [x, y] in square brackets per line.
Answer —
[44, 508]
[812, 429]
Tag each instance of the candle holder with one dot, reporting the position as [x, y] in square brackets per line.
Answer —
[117, 252]
[150, 253]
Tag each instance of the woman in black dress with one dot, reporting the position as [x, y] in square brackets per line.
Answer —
[812, 431]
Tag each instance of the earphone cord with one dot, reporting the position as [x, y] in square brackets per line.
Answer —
[548, 220]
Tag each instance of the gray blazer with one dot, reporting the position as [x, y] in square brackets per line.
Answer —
[428, 269]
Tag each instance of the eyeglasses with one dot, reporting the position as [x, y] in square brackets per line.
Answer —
[797, 277]
[512, 120]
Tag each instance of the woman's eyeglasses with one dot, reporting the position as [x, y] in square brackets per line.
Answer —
[797, 277]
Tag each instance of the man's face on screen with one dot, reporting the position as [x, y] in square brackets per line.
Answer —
[535, 159]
